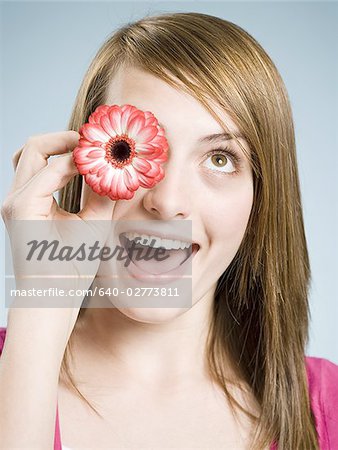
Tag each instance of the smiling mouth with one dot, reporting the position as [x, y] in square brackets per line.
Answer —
[157, 260]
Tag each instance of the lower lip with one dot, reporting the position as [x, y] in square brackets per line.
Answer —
[179, 272]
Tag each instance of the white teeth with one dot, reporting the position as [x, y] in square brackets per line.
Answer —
[169, 244]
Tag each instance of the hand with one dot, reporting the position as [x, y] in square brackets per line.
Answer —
[31, 199]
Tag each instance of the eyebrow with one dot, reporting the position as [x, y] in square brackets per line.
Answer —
[221, 137]
[217, 136]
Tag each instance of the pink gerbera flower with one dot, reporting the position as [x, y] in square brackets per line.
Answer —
[120, 149]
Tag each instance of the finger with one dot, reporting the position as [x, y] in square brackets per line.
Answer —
[16, 158]
[97, 212]
[95, 206]
[36, 151]
[51, 178]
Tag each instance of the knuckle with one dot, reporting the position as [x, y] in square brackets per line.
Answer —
[16, 156]
[32, 140]
[10, 205]
[6, 209]
[56, 167]
[60, 166]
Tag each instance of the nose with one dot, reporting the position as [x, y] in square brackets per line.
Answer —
[170, 198]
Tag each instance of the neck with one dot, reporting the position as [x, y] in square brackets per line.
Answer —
[154, 353]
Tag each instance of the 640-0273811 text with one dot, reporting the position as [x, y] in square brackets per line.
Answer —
[96, 291]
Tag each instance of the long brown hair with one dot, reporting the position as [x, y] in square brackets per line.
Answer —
[260, 313]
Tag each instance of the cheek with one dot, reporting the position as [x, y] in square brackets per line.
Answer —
[228, 213]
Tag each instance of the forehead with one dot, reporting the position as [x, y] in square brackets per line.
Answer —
[175, 109]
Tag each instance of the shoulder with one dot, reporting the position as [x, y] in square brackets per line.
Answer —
[323, 381]
[323, 389]
[2, 338]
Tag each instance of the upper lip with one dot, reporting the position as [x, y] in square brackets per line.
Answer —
[163, 235]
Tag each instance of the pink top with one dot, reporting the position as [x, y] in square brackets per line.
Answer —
[323, 385]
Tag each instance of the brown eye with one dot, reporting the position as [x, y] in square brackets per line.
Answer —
[219, 160]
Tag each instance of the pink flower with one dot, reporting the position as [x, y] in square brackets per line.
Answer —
[120, 149]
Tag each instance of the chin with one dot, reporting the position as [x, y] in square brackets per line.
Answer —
[152, 315]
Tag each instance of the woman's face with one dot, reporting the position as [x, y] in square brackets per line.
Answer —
[197, 187]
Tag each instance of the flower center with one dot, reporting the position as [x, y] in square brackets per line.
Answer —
[120, 150]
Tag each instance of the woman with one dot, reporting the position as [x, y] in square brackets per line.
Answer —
[230, 371]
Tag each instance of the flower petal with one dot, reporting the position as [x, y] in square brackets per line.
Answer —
[151, 147]
[148, 151]
[127, 110]
[107, 126]
[84, 143]
[118, 188]
[93, 181]
[141, 164]
[150, 119]
[82, 152]
[121, 186]
[160, 175]
[91, 165]
[99, 111]
[135, 126]
[131, 178]
[96, 153]
[115, 182]
[102, 168]
[161, 157]
[146, 134]
[154, 170]
[146, 182]
[160, 141]
[127, 195]
[130, 108]
[93, 132]
[106, 178]
[115, 119]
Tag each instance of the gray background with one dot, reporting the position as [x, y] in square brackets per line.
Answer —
[46, 48]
